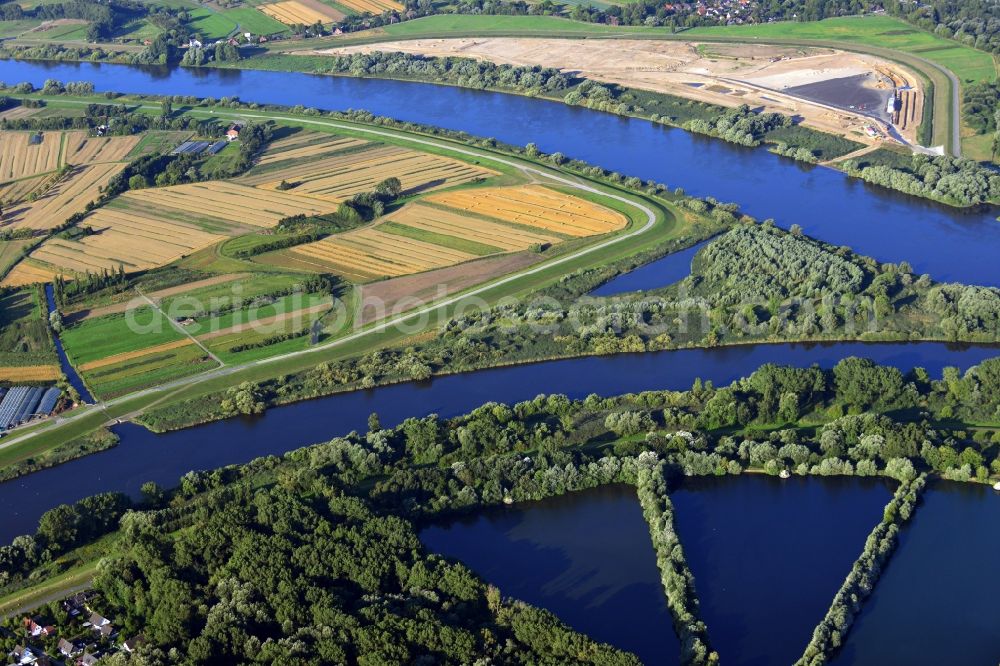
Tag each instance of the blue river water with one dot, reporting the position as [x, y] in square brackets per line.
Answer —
[949, 244]
[144, 456]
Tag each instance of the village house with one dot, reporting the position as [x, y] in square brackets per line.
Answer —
[36, 629]
[87, 660]
[101, 625]
[25, 656]
[66, 648]
[133, 643]
[233, 132]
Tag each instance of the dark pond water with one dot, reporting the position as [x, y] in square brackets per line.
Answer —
[936, 603]
[586, 557]
[769, 554]
[660, 273]
[947, 243]
[67, 367]
[143, 456]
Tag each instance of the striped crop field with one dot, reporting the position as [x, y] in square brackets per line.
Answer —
[340, 177]
[227, 202]
[291, 12]
[136, 353]
[306, 145]
[27, 272]
[455, 227]
[373, 6]
[534, 206]
[66, 198]
[453, 223]
[20, 158]
[369, 253]
[29, 373]
[18, 112]
[121, 239]
[80, 148]
[150, 367]
[17, 191]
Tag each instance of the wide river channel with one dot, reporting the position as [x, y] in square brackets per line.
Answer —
[760, 595]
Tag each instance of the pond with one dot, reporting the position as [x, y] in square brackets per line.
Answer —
[767, 555]
[936, 602]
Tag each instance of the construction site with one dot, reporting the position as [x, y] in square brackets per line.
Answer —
[833, 91]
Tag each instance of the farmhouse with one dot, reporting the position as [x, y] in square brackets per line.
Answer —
[233, 132]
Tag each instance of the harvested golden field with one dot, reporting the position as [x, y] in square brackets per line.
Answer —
[18, 190]
[29, 373]
[290, 12]
[340, 177]
[306, 144]
[27, 273]
[20, 158]
[138, 353]
[18, 112]
[373, 6]
[535, 206]
[122, 239]
[80, 148]
[453, 223]
[226, 202]
[66, 198]
[370, 253]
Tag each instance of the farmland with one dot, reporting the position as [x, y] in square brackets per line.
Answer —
[26, 349]
[453, 227]
[55, 179]
[306, 12]
[373, 6]
[252, 20]
[68, 196]
[25, 154]
[124, 352]
[341, 175]
[27, 272]
[153, 227]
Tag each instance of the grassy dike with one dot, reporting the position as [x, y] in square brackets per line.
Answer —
[652, 223]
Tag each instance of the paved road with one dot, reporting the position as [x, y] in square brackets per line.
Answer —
[389, 323]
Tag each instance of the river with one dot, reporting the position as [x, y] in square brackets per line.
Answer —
[143, 456]
[949, 244]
